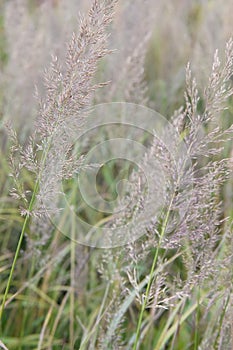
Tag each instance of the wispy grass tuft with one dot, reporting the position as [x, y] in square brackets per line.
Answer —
[172, 287]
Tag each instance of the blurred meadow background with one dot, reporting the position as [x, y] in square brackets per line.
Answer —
[64, 295]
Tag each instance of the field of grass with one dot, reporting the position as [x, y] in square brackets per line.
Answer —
[116, 164]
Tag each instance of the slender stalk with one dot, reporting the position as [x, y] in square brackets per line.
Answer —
[155, 261]
[221, 322]
[72, 284]
[196, 337]
[176, 333]
[18, 249]
[151, 276]
[26, 220]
